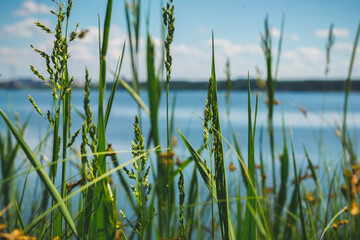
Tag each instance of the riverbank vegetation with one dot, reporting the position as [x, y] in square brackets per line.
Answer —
[161, 203]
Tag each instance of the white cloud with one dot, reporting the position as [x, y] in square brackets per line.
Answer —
[230, 48]
[338, 32]
[84, 52]
[304, 55]
[311, 54]
[294, 37]
[276, 33]
[86, 48]
[29, 8]
[344, 33]
[184, 50]
[8, 55]
[22, 28]
[343, 46]
[116, 41]
[14, 56]
[81, 52]
[344, 63]
[202, 30]
[302, 62]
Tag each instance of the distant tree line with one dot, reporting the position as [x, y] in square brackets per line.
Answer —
[236, 85]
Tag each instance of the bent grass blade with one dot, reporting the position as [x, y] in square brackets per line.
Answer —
[41, 172]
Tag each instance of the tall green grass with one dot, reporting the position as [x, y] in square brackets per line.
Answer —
[291, 211]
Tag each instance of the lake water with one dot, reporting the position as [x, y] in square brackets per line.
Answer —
[190, 105]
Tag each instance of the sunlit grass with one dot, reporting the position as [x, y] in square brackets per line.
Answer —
[205, 204]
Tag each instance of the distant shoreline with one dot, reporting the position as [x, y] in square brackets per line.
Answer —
[240, 84]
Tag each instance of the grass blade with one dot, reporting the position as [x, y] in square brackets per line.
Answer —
[331, 221]
[19, 216]
[347, 92]
[123, 182]
[281, 196]
[270, 83]
[114, 87]
[220, 173]
[238, 150]
[106, 27]
[297, 186]
[328, 200]
[86, 186]
[153, 90]
[41, 172]
[203, 169]
[291, 215]
[133, 55]
[154, 98]
[105, 222]
[181, 204]
[184, 164]
[134, 95]
[250, 222]
[315, 177]
[279, 48]
[190, 211]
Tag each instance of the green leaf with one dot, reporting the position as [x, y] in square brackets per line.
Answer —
[84, 187]
[347, 92]
[250, 221]
[315, 177]
[297, 186]
[105, 221]
[134, 95]
[281, 197]
[227, 230]
[190, 210]
[113, 88]
[203, 169]
[153, 90]
[41, 172]
[107, 27]
[291, 216]
[238, 150]
[184, 164]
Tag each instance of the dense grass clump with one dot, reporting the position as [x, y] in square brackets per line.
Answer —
[160, 201]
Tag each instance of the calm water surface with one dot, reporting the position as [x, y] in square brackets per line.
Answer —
[189, 109]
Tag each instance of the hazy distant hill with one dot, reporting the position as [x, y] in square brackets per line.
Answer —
[240, 84]
[298, 85]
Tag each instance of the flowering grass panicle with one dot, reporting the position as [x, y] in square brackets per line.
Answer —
[140, 174]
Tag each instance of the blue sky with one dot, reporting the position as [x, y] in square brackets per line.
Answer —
[236, 24]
